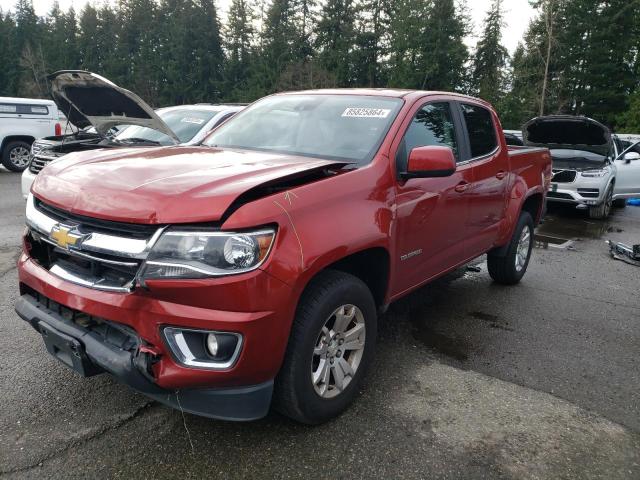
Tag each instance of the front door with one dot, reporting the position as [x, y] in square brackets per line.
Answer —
[628, 176]
[431, 213]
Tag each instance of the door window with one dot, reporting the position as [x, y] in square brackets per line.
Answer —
[432, 125]
[482, 133]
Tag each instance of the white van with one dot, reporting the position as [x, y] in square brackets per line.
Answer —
[22, 120]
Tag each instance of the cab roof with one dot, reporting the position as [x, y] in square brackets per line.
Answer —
[384, 92]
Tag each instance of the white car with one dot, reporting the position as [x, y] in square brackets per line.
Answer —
[22, 120]
[101, 108]
[591, 169]
[628, 165]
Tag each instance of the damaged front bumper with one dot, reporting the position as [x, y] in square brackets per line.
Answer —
[91, 348]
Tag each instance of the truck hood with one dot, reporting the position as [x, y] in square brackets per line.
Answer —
[565, 132]
[161, 185]
[88, 99]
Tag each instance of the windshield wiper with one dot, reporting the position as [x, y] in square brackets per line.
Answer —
[137, 140]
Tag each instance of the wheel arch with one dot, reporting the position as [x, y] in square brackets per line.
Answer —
[371, 265]
[13, 138]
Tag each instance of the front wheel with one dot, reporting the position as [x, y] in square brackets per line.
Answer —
[620, 203]
[15, 156]
[603, 210]
[509, 269]
[331, 345]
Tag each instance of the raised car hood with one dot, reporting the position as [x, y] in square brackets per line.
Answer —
[89, 99]
[565, 132]
[162, 185]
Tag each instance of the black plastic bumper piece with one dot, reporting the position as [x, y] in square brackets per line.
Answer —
[86, 353]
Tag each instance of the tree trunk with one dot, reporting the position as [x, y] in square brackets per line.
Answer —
[549, 25]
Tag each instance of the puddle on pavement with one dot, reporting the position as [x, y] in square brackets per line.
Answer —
[570, 227]
[561, 231]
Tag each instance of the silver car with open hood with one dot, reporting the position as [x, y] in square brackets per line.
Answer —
[584, 157]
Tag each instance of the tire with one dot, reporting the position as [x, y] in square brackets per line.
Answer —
[602, 211]
[296, 395]
[509, 269]
[13, 156]
[620, 203]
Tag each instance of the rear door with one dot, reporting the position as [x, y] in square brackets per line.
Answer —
[431, 213]
[490, 164]
[628, 176]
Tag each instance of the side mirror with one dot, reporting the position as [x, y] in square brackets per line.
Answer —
[630, 156]
[429, 162]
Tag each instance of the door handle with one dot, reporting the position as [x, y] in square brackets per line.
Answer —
[462, 187]
[501, 174]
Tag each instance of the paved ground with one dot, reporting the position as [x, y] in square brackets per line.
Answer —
[471, 380]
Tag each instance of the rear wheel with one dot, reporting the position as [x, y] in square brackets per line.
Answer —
[15, 156]
[603, 210]
[509, 269]
[331, 345]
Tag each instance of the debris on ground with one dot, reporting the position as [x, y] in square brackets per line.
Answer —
[626, 253]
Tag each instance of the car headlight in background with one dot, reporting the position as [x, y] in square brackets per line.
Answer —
[595, 173]
[203, 254]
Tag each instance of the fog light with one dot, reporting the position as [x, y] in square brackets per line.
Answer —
[212, 344]
[203, 348]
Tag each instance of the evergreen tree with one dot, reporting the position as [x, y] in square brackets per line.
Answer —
[285, 40]
[519, 104]
[335, 40]
[88, 41]
[372, 41]
[405, 42]
[490, 60]
[444, 54]
[8, 57]
[239, 45]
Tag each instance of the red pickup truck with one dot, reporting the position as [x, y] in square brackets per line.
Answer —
[251, 270]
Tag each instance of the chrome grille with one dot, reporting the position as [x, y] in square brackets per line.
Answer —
[102, 255]
[41, 155]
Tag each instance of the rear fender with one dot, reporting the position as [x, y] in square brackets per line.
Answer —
[518, 196]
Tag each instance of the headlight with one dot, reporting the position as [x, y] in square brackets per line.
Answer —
[186, 254]
[595, 173]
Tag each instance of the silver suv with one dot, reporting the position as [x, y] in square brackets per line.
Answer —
[585, 156]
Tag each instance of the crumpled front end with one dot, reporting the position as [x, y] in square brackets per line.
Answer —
[95, 317]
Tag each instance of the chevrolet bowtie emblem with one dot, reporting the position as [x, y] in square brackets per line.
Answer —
[64, 236]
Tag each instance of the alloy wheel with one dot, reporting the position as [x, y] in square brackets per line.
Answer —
[522, 250]
[19, 156]
[338, 351]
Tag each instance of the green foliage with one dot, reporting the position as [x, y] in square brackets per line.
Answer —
[443, 52]
[629, 121]
[592, 52]
[490, 59]
[577, 56]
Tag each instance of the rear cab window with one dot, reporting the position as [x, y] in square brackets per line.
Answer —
[483, 139]
[433, 124]
[23, 109]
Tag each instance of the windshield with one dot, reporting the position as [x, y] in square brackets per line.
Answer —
[342, 127]
[184, 122]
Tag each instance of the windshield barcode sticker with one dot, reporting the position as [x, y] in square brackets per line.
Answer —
[366, 112]
[197, 121]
